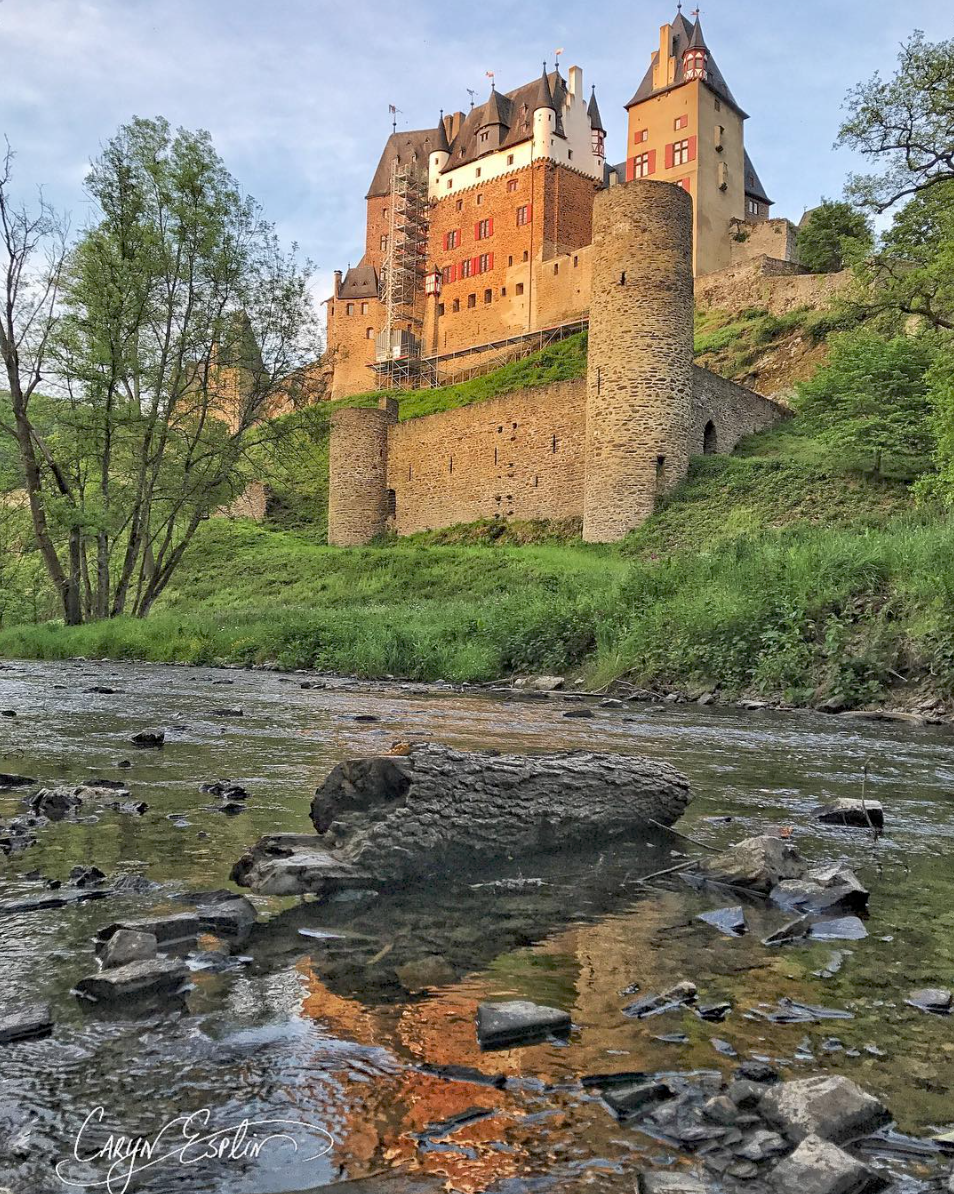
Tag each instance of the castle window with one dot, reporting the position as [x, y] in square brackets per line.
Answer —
[576, 262]
[472, 300]
[510, 260]
[569, 155]
[680, 122]
[467, 267]
[483, 229]
[448, 274]
[644, 164]
[640, 136]
[452, 238]
[488, 296]
[450, 464]
[485, 262]
[723, 176]
[478, 172]
[450, 183]
[719, 134]
[553, 445]
[364, 308]
[484, 136]
[503, 291]
[519, 288]
[509, 159]
[513, 183]
[384, 243]
[349, 309]
[526, 255]
[440, 308]
[369, 333]
[710, 440]
[556, 268]
[392, 503]
[455, 306]
[681, 153]
[480, 200]
[718, 106]
[523, 215]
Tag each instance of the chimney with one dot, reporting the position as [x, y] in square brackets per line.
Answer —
[575, 82]
[664, 71]
[337, 289]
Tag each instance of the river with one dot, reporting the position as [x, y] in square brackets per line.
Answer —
[314, 1029]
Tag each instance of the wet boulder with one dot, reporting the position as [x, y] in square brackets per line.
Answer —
[228, 918]
[283, 864]
[671, 1183]
[856, 814]
[8, 780]
[183, 926]
[57, 804]
[820, 1167]
[403, 816]
[730, 921]
[25, 1023]
[834, 888]
[757, 863]
[135, 980]
[129, 945]
[149, 739]
[630, 1099]
[937, 1000]
[518, 1022]
[832, 1107]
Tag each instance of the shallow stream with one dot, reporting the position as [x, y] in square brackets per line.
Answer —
[315, 1029]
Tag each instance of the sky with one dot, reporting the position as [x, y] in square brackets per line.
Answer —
[295, 92]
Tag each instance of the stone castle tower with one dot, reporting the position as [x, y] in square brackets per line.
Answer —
[637, 421]
[639, 399]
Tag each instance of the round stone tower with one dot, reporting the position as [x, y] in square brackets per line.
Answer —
[639, 374]
[358, 474]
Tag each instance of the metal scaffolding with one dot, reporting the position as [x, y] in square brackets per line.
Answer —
[398, 363]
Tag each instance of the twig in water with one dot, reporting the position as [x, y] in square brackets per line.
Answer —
[685, 836]
[671, 870]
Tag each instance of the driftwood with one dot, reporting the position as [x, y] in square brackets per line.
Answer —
[398, 818]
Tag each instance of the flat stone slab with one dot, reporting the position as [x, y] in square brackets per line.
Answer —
[625, 1101]
[832, 1107]
[938, 1000]
[282, 864]
[128, 945]
[156, 976]
[819, 1167]
[28, 1024]
[230, 918]
[15, 781]
[848, 811]
[730, 921]
[518, 1022]
[671, 1183]
[182, 926]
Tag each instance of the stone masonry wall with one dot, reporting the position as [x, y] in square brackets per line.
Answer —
[639, 376]
[520, 456]
[727, 412]
[764, 238]
[768, 283]
[357, 474]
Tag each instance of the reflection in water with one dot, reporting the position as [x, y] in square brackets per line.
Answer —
[320, 1029]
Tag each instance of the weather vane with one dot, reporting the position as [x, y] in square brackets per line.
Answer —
[473, 96]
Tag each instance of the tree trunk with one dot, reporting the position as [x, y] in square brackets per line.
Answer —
[404, 817]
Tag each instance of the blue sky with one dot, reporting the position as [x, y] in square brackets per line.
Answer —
[296, 92]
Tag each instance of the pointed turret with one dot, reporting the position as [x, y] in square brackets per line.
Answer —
[697, 41]
[695, 59]
[439, 156]
[442, 145]
[543, 98]
[593, 111]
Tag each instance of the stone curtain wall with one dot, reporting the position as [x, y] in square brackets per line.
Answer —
[729, 410]
[357, 474]
[770, 284]
[520, 456]
[639, 377]
[764, 238]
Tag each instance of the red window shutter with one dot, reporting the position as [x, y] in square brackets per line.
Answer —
[475, 266]
[630, 169]
[477, 230]
[490, 227]
[693, 142]
[453, 274]
[446, 238]
[652, 162]
[529, 213]
[669, 156]
[490, 261]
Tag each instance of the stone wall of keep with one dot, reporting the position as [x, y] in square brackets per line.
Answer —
[763, 238]
[730, 411]
[351, 346]
[519, 456]
[639, 375]
[357, 474]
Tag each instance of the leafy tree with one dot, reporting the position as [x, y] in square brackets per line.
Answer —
[179, 320]
[870, 402]
[834, 234]
[905, 124]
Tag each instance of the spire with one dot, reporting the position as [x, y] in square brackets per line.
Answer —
[593, 111]
[698, 42]
[442, 145]
[543, 97]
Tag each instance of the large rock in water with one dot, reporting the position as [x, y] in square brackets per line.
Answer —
[394, 818]
[758, 863]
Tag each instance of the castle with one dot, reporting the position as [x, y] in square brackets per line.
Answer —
[479, 231]
[508, 223]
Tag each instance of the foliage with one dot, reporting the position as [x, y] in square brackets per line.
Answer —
[180, 320]
[905, 124]
[869, 404]
[833, 235]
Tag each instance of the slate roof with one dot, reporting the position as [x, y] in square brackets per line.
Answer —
[683, 33]
[406, 146]
[753, 184]
[360, 282]
[593, 111]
